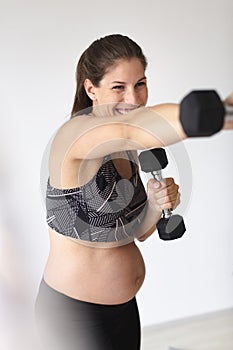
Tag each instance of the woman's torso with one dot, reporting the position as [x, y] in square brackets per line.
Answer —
[98, 275]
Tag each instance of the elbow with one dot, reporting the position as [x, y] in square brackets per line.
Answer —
[147, 234]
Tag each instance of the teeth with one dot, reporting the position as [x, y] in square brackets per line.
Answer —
[124, 110]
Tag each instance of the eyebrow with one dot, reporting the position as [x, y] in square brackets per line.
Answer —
[122, 82]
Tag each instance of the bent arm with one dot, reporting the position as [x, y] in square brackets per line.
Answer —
[88, 137]
[148, 225]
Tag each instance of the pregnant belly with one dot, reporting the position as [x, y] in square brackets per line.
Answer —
[103, 276]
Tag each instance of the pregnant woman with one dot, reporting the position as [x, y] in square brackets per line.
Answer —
[97, 206]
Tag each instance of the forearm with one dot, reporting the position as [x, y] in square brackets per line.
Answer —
[155, 126]
[148, 225]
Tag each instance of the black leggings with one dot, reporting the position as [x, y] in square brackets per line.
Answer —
[65, 323]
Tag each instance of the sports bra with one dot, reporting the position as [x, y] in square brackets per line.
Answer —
[107, 209]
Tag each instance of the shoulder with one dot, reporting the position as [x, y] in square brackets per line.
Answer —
[88, 137]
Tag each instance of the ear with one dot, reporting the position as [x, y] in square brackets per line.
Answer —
[90, 89]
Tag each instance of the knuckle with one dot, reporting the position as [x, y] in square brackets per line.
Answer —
[171, 180]
[150, 182]
[168, 181]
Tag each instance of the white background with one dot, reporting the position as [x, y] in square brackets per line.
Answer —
[189, 46]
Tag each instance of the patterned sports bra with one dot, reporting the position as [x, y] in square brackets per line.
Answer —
[107, 209]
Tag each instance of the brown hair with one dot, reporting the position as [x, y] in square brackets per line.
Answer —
[95, 61]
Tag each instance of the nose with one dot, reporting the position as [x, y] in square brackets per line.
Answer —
[131, 97]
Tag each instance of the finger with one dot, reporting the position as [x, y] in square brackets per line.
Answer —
[168, 201]
[170, 205]
[152, 201]
[168, 191]
[175, 205]
[166, 182]
[153, 184]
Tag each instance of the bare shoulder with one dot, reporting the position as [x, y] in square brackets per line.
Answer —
[89, 137]
[94, 136]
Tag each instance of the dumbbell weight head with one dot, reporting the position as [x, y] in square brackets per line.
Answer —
[171, 228]
[153, 160]
[202, 113]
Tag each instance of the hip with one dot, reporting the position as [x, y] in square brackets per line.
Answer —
[67, 323]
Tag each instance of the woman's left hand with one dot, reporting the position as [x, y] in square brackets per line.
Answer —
[229, 100]
[228, 122]
[160, 195]
[163, 194]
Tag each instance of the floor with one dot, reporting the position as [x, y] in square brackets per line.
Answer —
[207, 332]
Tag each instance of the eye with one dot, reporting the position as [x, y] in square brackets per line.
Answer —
[118, 87]
[141, 83]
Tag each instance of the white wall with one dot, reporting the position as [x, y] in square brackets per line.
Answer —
[189, 46]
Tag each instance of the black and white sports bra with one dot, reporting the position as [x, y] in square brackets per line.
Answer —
[107, 209]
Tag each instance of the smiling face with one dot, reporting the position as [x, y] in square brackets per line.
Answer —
[124, 83]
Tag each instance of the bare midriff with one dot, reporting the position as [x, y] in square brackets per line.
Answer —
[94, 274]
[98, 275]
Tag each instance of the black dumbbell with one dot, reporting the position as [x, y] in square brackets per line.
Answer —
[202, 113]
[169, 226]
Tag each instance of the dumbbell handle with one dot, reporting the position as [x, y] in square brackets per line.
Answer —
[157, 175]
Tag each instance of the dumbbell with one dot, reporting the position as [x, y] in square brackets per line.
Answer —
[169, 226]
[202, 113]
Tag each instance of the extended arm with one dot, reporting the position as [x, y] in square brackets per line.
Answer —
[103, 132]
[87, 137]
